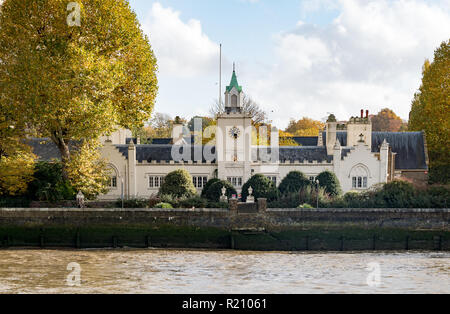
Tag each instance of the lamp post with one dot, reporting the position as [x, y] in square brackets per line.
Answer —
[317, 183]
[121, 195]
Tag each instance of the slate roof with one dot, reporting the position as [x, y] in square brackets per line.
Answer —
[409, 146]
[306, 140]
[298, 153]
[159, 153]
[340, 135]
[45, 149]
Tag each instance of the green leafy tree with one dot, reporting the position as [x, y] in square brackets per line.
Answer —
[72, 82]
[329, 181]
[178, 184]
[430, 112]
[215, 191]
[262, 187]
[49, 184]
[293, 182]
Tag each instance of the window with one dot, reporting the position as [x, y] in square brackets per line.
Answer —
[359, 182]
[360, 177]
[155, 182]
[273, 179]
[199, 181]
[235, 181]
[234, 100]
[113, 182]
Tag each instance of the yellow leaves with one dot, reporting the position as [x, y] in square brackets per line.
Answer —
[87, 171]
[430, 110]
[305, 127]
[16, 170]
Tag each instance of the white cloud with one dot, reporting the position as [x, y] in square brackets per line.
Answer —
[369, 57]
[182, 49]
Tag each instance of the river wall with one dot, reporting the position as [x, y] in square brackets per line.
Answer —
[240, 227]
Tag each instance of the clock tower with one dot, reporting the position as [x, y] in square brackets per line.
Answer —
[234, 137]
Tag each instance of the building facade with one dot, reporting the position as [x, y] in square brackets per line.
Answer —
[359, 157]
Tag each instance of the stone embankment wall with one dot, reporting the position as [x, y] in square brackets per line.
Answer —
[240, 227]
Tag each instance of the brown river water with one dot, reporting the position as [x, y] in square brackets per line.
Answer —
[236, 272]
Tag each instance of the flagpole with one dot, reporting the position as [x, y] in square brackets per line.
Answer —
[220, 77]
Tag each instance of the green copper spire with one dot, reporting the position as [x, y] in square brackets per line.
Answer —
[234, 82]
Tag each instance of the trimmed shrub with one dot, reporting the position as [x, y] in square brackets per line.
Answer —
[164, 205]
[208, 185]
[262, 187]
[215, 191]
[397, 194]
[329, 181]
[196, 202]
[217, 205]
[179, 184]
[293, 182]
[306, 206]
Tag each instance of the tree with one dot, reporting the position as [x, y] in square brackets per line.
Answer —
[305, 127]
[16, 158]
[49, 184]
[293, 183]
[329, 181]
[87, 171]
[387, 121]
[262, 187]
[16, 168]
[430, 112]
[178, 184]
[160, 126]
[75, 82]
[249, 106]
[215, 191]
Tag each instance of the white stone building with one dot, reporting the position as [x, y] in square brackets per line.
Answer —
[359, 157]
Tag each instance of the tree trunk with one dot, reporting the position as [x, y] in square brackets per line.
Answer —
[65, 154]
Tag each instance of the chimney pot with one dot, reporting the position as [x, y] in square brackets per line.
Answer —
[367, 114]
[362, 113]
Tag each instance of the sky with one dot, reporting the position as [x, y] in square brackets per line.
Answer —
[295, 58]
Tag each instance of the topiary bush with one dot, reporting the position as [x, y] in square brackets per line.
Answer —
[178, 184]
[215, 191]
[196, 202]
[329, 181]
[208, 185]
[293, 182]
[262, 187]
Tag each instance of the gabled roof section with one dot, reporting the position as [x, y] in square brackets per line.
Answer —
[234, 83]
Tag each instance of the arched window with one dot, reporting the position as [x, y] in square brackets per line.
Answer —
[360, 177]
[234, 100]
[113, 177]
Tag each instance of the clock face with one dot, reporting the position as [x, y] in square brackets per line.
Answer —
[235, 132]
